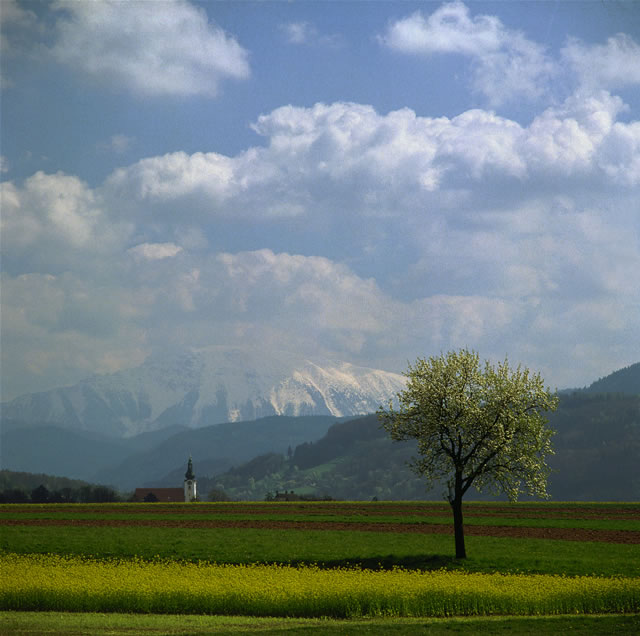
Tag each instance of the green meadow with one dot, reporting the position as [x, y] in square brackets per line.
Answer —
[314, 566]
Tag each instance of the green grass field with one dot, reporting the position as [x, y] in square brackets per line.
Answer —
[183, 534]
[330, 548]
[90, 624]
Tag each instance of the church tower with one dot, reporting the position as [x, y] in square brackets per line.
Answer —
[189, 483]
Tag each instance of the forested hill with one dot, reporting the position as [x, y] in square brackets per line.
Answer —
[597, 448]
[21, 487]
[625, 380]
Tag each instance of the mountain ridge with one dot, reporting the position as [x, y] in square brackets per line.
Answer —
[208, 386]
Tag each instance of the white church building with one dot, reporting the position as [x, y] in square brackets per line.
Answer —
[187, 493]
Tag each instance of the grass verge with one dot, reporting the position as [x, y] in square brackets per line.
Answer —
[57, 623]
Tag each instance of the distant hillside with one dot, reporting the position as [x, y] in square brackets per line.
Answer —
[215, 448]
[354, 460]
[625, 380]
[156, 458]
[29, 481]
[57, 451]
[597, 448]
[597, 453]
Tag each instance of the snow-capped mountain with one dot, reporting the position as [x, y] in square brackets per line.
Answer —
[208, 386]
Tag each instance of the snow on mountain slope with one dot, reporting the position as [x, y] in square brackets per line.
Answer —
[209, 386]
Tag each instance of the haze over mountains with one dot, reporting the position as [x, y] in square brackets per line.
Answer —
[206, 387]
[598, 440]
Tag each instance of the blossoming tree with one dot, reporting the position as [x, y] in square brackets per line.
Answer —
[479, 425]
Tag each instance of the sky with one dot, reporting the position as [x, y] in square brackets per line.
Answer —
[365, 181]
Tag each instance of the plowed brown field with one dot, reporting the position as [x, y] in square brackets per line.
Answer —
[110, 519]
[585, 511]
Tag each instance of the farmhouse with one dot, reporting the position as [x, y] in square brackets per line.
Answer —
[185, 494]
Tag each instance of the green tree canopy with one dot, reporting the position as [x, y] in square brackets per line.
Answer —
[475, 425]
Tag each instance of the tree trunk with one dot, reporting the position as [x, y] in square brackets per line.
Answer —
[456, 505]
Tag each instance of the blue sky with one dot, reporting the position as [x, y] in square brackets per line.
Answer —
[369, 181]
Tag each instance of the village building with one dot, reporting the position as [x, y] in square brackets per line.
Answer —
[187, 493]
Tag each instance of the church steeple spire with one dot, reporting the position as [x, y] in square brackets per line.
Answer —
[190, 483]
[189, 474]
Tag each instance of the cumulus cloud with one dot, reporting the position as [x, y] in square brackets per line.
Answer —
[175, 175]
[571, 139]
[498, 231]
[328, 294]
[405, 235]
[345, 166]
[379, 165]
[506, 65]
[318, 306]
[613, 65]
[502, 227]
[54, 218]
[64, 328]
[449, 29]
[173, 51]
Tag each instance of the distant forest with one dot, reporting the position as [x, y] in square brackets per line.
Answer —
[16, 487]
[597, 452]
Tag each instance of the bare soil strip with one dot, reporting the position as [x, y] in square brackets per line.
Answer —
[564, 534]
[585, 512]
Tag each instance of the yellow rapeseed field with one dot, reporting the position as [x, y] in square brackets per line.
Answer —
[51, 582]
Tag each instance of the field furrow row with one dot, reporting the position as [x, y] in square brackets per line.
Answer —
[567, 534]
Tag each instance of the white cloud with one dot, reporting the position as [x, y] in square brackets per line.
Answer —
[154, 49]
[506, 64]
[621, 154]
[14, 17]
[298, 32]
[57, 330]
[16, 25]
[512, 226]
[53, 219]
[305, 33]
[385, 235]
[154, 251]
[343, 155]
[175, 175]
[612, 65]
[449, 29]
[502, 228]
[117, 143]
[311, 289]
[571, 140]
[317, 306]
[497, 231]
